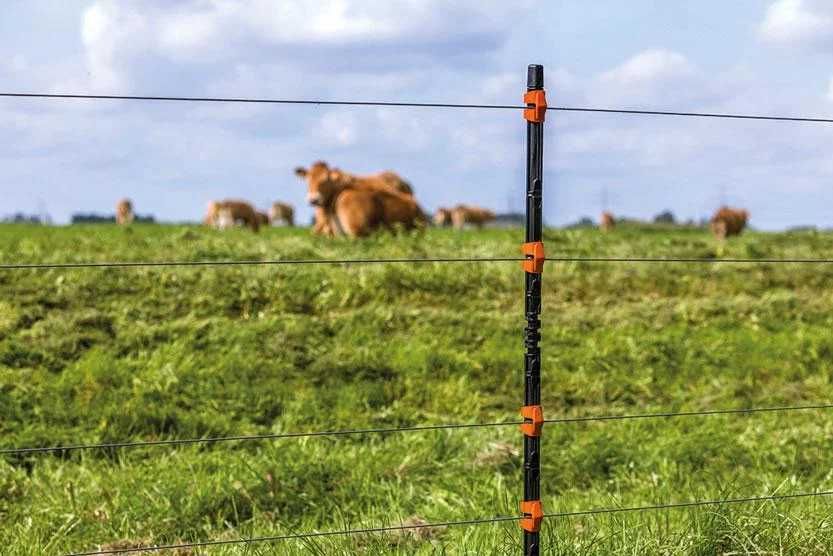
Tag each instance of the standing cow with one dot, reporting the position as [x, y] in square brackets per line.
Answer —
[608, 222]
[357, 206]
[124, 212]
[320, 172]
[728, 222]
[282, 213]
[442, 217]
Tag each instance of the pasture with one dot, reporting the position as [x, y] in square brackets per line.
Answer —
[136, 354]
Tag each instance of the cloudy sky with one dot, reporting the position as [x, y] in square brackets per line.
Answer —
[751, 56]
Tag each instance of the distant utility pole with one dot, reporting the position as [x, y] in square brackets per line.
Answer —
[43, 213]
[723, 195]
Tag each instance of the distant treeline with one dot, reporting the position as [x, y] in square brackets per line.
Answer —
[510, 219]
[665, 217]
[21, 218]
[93, 218]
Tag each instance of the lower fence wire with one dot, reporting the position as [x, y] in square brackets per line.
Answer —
[470, 522]
[275, 436]
[277, 262]
[702, 413]
[730, 260]
[288, 262]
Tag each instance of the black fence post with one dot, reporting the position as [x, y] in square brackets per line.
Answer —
[533, 250]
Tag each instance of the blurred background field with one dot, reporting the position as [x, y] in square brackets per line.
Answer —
[137, 354]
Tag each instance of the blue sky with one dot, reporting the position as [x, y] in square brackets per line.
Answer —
[755, 56]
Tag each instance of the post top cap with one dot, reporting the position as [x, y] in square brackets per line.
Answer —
[535, 77]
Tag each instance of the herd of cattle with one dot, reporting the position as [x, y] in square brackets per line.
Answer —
[356, 206]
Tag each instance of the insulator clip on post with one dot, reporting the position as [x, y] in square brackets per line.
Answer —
[533, 257]
[533, 512]
[533, 420]
[536, 106]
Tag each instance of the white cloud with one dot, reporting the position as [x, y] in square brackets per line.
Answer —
[664, 79]
[408, 130]
[336, 21]
[830, 90]
[118, 35]
[188, 32]
[798, 22]
[16, 63]
[109, 31]
[649, 66]
[631, 145]
[654, 77]
[337, 128]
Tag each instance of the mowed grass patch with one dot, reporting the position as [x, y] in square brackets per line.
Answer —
[159, 353]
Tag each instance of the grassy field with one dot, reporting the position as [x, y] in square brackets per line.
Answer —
[136, 354]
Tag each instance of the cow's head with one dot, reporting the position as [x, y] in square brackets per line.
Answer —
[323, 183]
[211, 212]
[225, 218]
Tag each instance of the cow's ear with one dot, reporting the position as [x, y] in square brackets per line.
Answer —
[301, 172]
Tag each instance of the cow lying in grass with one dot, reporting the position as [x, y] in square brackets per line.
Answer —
[227, 214]
[124, 212]
[476, 216]
[356, 206]
[383, 181]
[461, 215]
[728, 222]
[282, 213]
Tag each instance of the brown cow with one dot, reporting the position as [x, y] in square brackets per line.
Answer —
[228, 213]
[386, 180]
[728, 222]
[608, 222]
[466, 214]
[281, 212]
[124, 212]
[442, 217]
[352, 206]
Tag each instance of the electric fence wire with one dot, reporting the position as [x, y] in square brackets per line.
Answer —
[422, 428]
[470, 522]
[321, 102]
[345, 262]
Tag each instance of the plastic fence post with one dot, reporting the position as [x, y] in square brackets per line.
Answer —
[533, 250]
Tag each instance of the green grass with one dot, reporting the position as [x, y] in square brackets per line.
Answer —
[137, 354]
